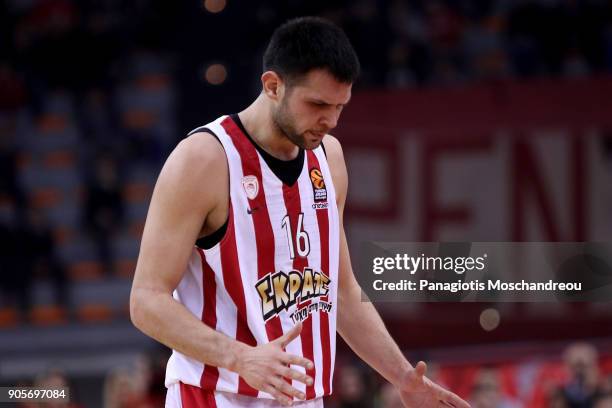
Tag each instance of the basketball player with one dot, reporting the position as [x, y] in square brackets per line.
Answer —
[251, 310]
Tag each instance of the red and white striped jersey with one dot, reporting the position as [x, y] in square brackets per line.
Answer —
[276, 265]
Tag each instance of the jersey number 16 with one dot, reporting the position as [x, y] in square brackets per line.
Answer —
[302, 241]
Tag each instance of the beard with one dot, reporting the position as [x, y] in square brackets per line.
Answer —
[285, 122]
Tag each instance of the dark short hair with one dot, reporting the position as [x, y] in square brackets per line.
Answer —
[306, 43]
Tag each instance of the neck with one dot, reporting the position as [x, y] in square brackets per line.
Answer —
[257, 120]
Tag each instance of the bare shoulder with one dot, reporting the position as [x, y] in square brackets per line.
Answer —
[198, 154]
[337, 166]
[333, 149]
[334, 153]
[196, 164]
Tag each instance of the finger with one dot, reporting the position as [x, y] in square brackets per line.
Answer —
[280, 397]
[287, 358]
[289, 336]
[454, 400]
[420, 369]
[284, 387]
[294, 375]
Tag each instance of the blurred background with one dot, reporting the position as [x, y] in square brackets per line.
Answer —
[473, 120]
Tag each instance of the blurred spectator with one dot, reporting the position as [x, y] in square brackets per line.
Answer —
[15, 273]
[157, 387]
[10, 188]
[50, 48]
[399, 74]
[574, 64]
[354, 391]
[484, 52]
[99, 121]
[28, 251]
[410, 30]
[42, 258]
[487, 393]
[104, 207]
[117, 389]
[584, 384]
[130, 387]
[55, 379]
[446, 30]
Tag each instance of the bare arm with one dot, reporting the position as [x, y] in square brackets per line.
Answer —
[378, 348]
[179, 207]
[176, 214]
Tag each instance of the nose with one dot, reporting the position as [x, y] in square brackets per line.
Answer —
[330, 120]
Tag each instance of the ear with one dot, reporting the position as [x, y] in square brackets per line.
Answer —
[273, 85]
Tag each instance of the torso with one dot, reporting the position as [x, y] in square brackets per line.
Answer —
[275, 265]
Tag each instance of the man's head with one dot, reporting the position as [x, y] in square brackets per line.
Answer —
[582, 360]
[309, 68]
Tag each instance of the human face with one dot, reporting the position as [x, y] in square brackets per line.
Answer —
[310, 108]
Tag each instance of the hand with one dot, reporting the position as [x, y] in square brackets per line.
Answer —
[418, 391]
[266, 368]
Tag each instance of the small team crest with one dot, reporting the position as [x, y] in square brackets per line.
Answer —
[251, 186]
[318, 187]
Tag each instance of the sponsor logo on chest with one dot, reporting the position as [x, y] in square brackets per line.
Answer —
[279, 291]
[319, 189]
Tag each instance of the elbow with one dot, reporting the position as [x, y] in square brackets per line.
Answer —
[137, 310]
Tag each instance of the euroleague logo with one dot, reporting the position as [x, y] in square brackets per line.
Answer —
[318, 188]
[317, 178]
